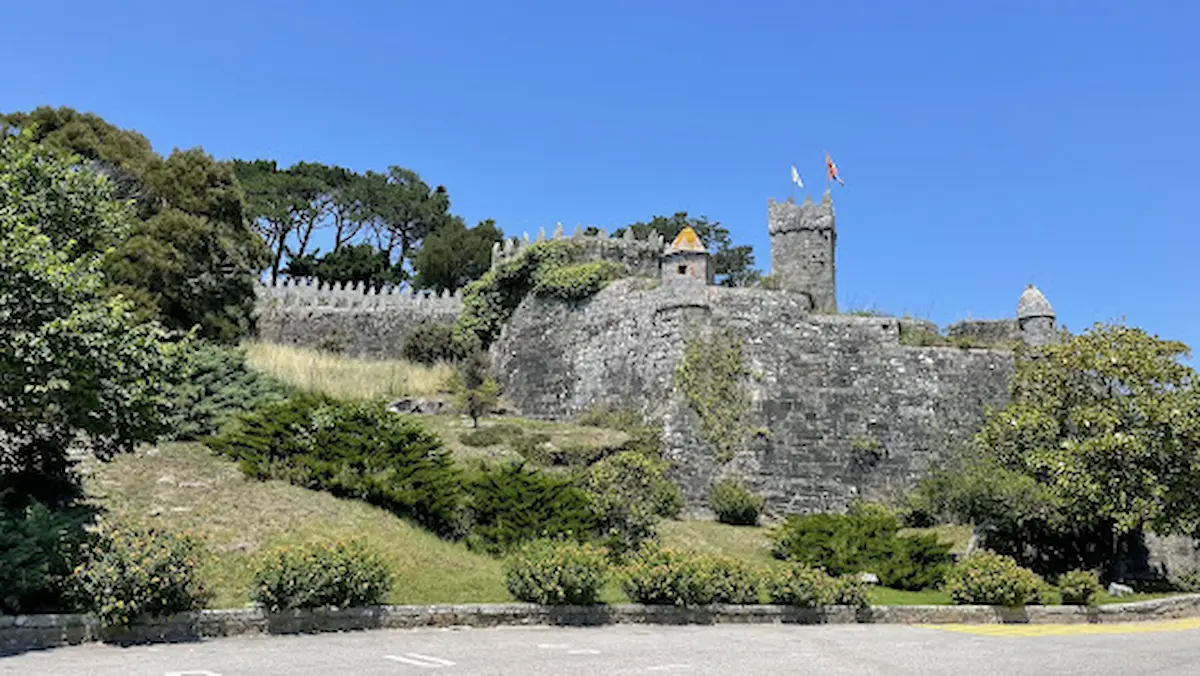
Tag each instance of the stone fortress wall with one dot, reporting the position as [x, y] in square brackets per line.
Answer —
[353, 319]
[824, 382]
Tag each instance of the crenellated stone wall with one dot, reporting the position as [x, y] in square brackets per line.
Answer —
[355, 320]
[824, 385]
[641, 257]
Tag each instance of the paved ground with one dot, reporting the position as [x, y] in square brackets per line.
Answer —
[1147, 648]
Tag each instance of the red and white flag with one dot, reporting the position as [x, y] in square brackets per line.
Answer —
[832, 170]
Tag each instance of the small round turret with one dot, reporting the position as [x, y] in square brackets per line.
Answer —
[1036, 317]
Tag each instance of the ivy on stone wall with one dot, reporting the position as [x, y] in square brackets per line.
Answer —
[550, 269]
[712, 376]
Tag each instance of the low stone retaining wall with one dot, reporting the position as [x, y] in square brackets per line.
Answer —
[32, 632]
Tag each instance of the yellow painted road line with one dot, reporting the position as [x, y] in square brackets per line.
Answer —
[1068, 629]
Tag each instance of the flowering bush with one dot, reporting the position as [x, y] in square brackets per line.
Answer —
[1079, 587]
[130, 574]
[801, 586]
[318, 575]
[556, 573]
[986, 578]
[670, 577]
[849, 590]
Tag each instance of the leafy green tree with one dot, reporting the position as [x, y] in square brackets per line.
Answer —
[454, 256]
[361, 263]
[74, 365]
[164, 280]
[124, 156]
[400, 209]
[1099, 442]
[732, 265]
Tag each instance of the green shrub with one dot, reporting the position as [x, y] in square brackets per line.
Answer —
[1079, 587]
[479, 438]
[576, 282]
[865, 541]
[849, 590]
[430, 343]
[629, 493]
[734, 503]
[1187, 580]
[513, 504]
[556, 573]
[354, 450]
[38, 548]
[216, 383]
[137, 573]
[643, 438]
[489, 301]
[986, 578]
[532, 447]
[800, 586]
[658, 576]
[339, 574]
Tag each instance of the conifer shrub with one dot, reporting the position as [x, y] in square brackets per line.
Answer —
[482, 437]
[658, 576]
[216, 383]
[319, 575]
[1079, 587]
[866, 540]
[38, 550]
[556, 572]
[430, 343]
[986, 578]
[354, 450]
[139, 573]
[513, 504]
[734, 504]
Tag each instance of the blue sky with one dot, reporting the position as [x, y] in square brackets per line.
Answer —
[985, 145]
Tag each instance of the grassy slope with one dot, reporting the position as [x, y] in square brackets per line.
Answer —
[184, 486]
[345, 377]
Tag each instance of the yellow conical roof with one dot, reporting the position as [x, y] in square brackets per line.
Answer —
[687, 240]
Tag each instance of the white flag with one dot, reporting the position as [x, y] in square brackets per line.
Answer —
[796, 177]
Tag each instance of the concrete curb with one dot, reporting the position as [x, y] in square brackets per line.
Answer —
[20, 633]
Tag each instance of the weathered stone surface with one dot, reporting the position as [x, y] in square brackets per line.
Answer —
[348, 320]
[821, 382]
[32, 632]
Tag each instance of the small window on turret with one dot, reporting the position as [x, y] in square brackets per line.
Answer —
[682, 269]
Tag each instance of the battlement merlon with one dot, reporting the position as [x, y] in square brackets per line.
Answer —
[641, 255]
[312, 293]
[787, 216]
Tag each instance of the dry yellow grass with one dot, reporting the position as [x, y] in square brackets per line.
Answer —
[346, 377]
[181, 487]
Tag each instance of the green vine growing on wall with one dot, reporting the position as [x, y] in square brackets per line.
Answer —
[548, 269]
[712, 377]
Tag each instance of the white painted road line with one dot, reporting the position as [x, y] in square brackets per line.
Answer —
[583, 651]
[194, 672]
[419, 660]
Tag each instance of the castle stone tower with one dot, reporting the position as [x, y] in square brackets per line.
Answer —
[803, 241]
[1036, 318]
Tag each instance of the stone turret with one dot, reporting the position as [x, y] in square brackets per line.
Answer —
[803, 242]
[686, 260]
[1036, 318]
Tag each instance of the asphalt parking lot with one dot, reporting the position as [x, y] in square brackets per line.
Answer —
[1170, 647]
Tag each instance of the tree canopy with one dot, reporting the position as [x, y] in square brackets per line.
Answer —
[186, 199]
[1101, 439]
[455, 255]
[74, 364]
